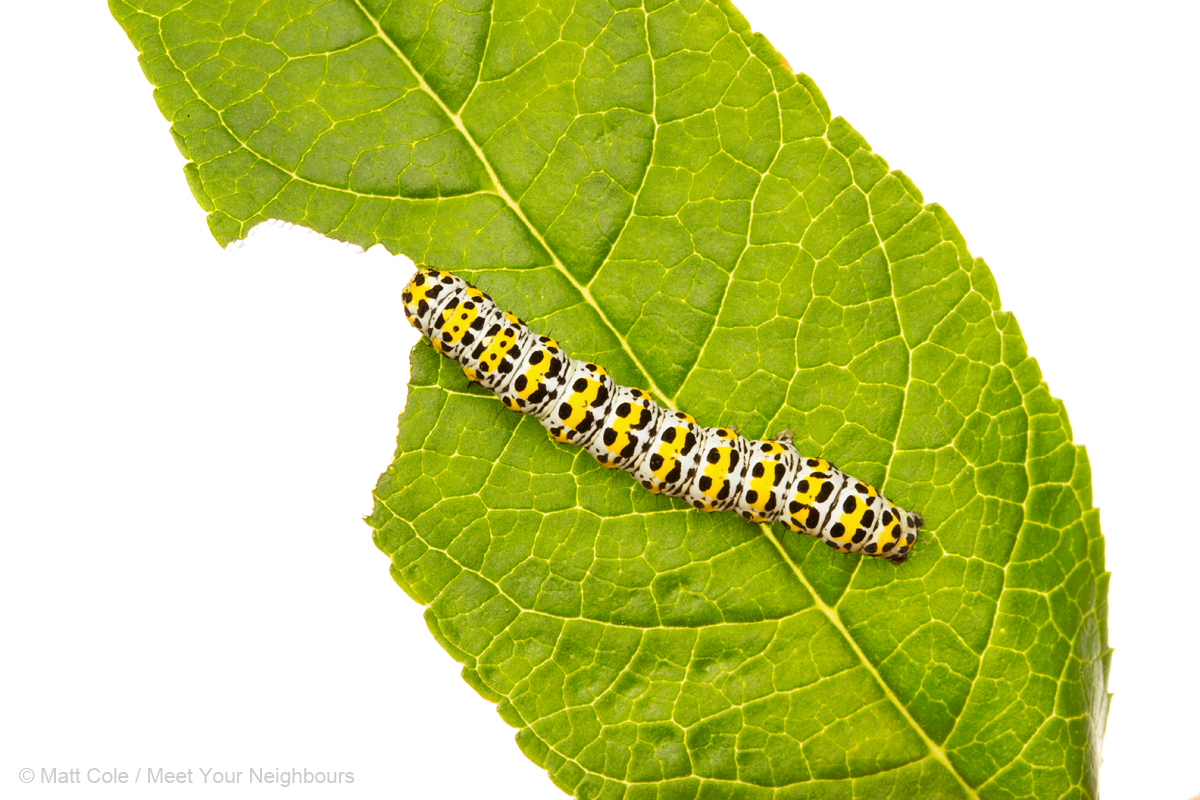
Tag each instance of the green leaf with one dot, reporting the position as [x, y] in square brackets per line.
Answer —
[650, 184]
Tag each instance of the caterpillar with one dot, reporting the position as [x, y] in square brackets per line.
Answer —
[667, 452]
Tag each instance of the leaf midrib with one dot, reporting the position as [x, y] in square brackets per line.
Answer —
[934, 748]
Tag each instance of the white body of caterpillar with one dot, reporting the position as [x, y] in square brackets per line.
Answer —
[714, 469]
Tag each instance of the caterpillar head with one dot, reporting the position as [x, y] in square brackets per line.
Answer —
[425, 293]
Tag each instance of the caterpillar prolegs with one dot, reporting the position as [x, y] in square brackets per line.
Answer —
[714, 469]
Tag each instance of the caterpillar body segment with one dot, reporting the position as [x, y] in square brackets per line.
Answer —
[719, 479]
[669, 464]
[633, 422]
[667, 452]
[583, 404]
[538, 378]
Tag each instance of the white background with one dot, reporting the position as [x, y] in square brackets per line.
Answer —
[189, 436]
